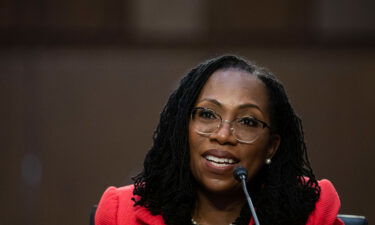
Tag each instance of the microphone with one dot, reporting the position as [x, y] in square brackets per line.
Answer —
[240, 174]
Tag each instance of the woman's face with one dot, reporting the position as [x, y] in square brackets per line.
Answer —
[230, 93]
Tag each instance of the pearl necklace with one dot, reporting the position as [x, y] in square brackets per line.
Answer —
[195, 222]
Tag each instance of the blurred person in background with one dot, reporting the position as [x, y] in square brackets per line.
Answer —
[226, 112]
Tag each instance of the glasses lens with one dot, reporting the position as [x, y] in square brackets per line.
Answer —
[247, 129]
[205, 121]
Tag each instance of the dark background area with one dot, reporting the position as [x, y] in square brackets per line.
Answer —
[82, 84]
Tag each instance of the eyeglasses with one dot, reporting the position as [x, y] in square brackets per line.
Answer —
[246, 129]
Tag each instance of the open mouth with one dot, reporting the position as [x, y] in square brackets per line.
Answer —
[220, 162]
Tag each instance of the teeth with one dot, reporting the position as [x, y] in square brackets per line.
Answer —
[219, 161]
[219, 164]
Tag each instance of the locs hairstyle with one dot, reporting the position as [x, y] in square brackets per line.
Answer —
[285, 192]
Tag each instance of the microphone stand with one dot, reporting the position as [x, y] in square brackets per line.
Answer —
[250, 203]
[240, 174]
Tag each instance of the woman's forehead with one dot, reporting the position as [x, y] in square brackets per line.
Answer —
[234, 88]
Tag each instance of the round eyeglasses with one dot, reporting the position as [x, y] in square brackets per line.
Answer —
[246, 129]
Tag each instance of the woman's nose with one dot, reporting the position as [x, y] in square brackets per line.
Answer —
[224, 134]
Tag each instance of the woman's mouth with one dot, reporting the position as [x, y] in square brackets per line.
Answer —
[219, 162]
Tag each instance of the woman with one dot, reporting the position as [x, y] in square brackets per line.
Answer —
[226, 112]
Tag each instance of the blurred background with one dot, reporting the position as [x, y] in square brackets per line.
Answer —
[82, 84]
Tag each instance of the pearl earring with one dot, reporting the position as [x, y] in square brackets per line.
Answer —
[268, 161]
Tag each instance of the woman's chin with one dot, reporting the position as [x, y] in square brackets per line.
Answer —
[222, 187]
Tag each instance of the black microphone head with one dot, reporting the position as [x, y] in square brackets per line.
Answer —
[240, 173]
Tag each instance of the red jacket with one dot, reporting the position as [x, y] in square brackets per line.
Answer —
[116, 208]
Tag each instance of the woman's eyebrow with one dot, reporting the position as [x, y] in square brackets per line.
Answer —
[214, 101]
[249, 105]
[243, 106]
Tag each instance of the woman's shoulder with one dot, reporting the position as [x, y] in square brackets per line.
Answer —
[327, 206]
[116, 207]
[113, 203]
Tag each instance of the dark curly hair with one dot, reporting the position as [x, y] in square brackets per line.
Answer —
[285, 192]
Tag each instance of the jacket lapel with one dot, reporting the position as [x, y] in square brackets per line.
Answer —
[143, 215]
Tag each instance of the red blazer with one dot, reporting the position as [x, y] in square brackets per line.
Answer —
[116, 208]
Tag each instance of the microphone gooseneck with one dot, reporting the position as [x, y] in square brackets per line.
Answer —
[240, 174]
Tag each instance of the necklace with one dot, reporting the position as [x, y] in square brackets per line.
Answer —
[195, 222]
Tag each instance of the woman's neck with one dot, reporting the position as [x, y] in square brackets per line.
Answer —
[218, 209]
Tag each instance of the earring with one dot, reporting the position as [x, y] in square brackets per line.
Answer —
[268, 161]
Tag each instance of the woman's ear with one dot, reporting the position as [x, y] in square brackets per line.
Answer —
[273, 145]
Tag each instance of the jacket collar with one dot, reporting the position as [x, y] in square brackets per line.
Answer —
[144, 215]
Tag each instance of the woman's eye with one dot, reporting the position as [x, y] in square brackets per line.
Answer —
[206, 114]
[249, 121]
